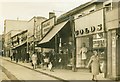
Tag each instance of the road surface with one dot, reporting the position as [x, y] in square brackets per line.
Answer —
[18, 72]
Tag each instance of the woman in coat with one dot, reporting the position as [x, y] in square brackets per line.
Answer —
[95, 65]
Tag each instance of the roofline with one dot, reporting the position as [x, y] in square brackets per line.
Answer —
[71, 12]
[11, 31]
[15, 20]
[75, 10]
[36, 17]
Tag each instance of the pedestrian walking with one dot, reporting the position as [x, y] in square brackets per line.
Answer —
[42, 59]
[23, 57]
[52, 60]
[34, 60]
[27, 57]
[11, 56]
[94, 62]
[16, 56]
[46, 62]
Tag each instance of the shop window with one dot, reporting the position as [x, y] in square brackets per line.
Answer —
[99, 40]
[92, 42]
[82, 14]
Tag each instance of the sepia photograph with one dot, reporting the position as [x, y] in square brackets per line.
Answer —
[60, 40]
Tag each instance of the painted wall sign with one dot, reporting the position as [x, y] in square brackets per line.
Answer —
[47, 25]
[89, 24]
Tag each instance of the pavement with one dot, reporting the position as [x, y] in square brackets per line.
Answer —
[62, 74]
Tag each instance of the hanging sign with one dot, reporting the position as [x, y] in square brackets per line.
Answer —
[47, 25]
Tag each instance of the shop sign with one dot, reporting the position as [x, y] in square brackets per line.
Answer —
[89, 24]
[47, 25]
[89, 30]
[99, 43]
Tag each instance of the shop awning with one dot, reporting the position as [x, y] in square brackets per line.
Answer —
[52, 33]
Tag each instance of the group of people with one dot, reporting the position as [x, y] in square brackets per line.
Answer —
[15, 56]
[49, 60]
[46, 61]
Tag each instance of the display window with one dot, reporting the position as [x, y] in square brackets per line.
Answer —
[85, 47]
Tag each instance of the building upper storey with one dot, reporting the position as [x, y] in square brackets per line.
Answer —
[19, 38]
[111, 6]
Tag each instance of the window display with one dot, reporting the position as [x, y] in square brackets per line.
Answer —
[92, 42]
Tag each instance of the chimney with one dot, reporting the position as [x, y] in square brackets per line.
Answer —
[51, 14]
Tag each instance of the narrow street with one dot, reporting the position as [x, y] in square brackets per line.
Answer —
[21, 73]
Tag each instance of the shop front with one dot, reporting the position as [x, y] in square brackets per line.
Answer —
[19, 45]
[59, 39]
[90, 35]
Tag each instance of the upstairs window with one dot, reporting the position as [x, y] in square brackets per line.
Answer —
[80, 15]
[108, 7]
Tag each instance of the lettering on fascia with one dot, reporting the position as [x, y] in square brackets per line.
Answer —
[89, 30]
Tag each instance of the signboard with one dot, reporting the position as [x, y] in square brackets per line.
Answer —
[99, 43]
[47, 25]
[89, 24]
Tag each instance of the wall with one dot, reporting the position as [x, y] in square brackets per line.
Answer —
[39, 20]
[85, 11]
[34, 26]
[112, 23]
[112, 17]
[30, 26]
[10, 25]
[0, 44]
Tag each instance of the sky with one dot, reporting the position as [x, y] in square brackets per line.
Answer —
[26, 9]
